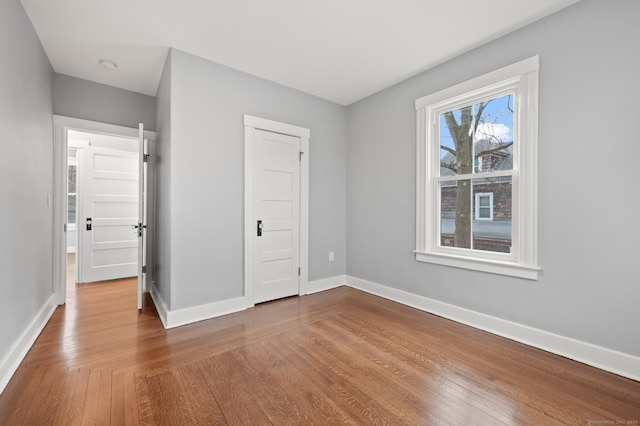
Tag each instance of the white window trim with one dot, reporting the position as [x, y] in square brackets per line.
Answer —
[522, 262]
[477, 206]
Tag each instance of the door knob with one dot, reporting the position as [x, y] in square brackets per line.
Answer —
[137, 228]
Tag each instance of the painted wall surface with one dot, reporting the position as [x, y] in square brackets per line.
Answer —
[26, 170]
[208, 102]
[78, 98]
[162, 273]
[589, 198]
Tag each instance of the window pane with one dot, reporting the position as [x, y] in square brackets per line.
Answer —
[71, 187]
[455, 214]
[490, 225]
[71, 209]
[492, 228]
[477, 138]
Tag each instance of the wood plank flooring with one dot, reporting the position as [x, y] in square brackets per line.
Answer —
[336, 357]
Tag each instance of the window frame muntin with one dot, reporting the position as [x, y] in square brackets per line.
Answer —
[523, 261]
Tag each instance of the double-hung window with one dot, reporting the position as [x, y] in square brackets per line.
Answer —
[477, 173]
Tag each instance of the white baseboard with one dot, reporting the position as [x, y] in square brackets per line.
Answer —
[178, 317]
[161, 307]
[325, 284]
[597, 356]
[193, 314]
[19, 350]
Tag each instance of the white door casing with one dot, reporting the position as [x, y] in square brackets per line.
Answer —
[108, 188]
[276, 193]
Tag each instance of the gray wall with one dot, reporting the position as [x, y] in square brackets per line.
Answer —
[589, 196]
[207, 103]
[162, 274]
[26, 163]
[74, 97]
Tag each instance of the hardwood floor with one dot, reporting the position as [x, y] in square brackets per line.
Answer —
[337, 357]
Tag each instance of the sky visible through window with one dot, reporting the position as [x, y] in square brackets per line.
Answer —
[496, 123]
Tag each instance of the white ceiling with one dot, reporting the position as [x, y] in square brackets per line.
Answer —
[340, 50]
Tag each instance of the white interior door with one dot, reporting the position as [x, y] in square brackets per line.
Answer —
[109, 190]
[142, 223]
[276, 215]
[146, 188]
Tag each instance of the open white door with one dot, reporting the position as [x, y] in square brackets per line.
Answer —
[109, 187]
[142, 222]
[146, 223]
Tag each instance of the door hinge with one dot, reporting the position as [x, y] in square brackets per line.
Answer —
[300, 158]
[145, 158]
[144, 269]
[298, 271]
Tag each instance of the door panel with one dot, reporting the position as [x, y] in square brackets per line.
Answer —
[109, 191]
[276, 186]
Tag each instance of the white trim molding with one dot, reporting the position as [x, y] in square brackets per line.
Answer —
[160, 305]
[276, 126]
[179, 317]
[326, 284]
[597, 356]
[21, 347]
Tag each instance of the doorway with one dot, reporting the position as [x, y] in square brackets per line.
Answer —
[276, 210]
[122, 143]
[102, 206]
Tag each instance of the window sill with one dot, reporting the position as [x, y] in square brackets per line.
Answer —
[483, 265]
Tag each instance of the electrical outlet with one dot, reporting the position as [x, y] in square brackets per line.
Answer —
[331, 256]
